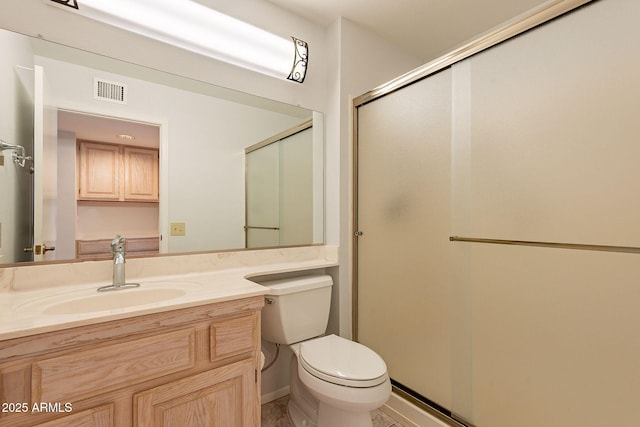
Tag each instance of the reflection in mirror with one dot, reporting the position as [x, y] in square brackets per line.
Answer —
[279, 173]
[84, 120]
[117, 186]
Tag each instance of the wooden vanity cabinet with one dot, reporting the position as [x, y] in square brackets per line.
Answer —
[215, 398]
[196, 366]
[112, 172]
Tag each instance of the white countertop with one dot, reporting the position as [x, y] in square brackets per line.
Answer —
[26, 310]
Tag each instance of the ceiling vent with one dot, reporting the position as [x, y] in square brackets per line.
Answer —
[109, 91]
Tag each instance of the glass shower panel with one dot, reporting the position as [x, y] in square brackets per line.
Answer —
[296, 188]
[280, 186]
[555, 337]
[553, 158]
[263, 197]
[555, 131]
[403, 254]
[461, 200]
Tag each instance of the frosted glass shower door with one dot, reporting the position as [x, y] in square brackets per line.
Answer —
[497, 264]
[296, 189]
[554, 158]
[263, 197]
[280, 189]
[403, 255]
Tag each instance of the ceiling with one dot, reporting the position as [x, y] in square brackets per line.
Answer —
[90, 127]
[426, 28]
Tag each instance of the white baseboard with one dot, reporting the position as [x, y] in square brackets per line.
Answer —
[408, 414]
[275, 395]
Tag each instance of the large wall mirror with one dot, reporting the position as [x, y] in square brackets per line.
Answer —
[93, 147]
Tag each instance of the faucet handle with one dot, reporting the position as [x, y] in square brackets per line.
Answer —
[117, 245]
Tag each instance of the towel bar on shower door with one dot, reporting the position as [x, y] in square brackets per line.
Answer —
[246, 227]
[579, 246]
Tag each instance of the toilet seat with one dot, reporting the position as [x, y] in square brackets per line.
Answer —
[340, 361]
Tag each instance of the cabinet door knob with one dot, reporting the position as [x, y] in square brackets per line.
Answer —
[358, 233]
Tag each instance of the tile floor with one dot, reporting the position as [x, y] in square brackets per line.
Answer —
[274, 414]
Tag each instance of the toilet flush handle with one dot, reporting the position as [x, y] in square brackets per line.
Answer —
[268, 300]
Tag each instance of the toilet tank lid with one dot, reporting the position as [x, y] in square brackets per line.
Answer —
[297, 284]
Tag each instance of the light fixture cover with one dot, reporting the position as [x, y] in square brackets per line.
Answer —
[299, 69]
[194, 27]
[70, 3]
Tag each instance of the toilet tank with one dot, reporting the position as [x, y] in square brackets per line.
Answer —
[296, 308]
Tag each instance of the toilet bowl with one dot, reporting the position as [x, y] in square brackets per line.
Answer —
[348, 380]
[335, 382]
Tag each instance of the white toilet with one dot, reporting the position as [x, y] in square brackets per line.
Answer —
[335, 382]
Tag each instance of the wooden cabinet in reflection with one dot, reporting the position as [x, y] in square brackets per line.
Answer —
[116, 172]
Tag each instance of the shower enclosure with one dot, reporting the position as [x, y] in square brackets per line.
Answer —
[496, 223]
[280, 177]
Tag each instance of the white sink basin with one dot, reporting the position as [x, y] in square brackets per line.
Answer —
[113, 300]
[90, 300]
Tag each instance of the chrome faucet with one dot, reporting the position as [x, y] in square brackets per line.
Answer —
[118, 251]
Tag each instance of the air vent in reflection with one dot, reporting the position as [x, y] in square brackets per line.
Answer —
[109, 91]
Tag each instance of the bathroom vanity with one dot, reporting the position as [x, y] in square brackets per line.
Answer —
[159, 369]
[182, 349]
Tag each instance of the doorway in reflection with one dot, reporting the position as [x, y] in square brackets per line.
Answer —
[112, 188]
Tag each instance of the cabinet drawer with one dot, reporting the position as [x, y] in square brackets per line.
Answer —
[143, 245]
[74, 376]
[234, 336]
[101, 248]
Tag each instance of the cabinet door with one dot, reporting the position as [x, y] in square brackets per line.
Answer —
[140, 174]
[99, 174]
[226, 396]
[101, 416]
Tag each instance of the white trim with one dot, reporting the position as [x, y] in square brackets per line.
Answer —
[274, 395]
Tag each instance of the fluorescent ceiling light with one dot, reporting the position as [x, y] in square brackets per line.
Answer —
[192, 26]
